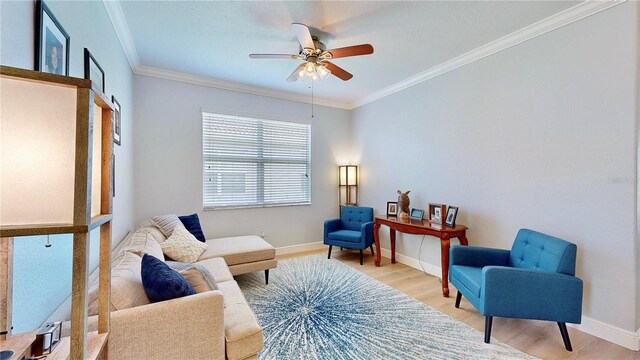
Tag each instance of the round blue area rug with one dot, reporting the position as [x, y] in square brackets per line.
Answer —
[319, 308]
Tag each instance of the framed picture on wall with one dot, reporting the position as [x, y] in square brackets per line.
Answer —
[52, 42]
[117, 126]
[92, 70]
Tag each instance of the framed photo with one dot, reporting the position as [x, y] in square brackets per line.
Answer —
[52, 42]
[92, 70]
[392, 208]
[117, 126]
[436, 212]
[416, 214]
[113, 174]
[452, 213]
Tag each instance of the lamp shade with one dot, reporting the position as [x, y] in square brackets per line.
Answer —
[348, 175]
[38, 152]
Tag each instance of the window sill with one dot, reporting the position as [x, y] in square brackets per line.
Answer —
[238, 207]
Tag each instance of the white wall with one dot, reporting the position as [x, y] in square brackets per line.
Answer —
[541, 135]
[168, 160]
[46, 273]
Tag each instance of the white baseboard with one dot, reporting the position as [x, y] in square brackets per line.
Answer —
[608, 332]
[614, 334]
[414, 263]
[292, 249]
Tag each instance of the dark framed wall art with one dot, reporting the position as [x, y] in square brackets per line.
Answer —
[52, 42]
[92, 70]
[117, 125]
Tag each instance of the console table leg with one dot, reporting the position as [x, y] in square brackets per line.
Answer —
[463, 240]
[376, 238]
[444, 259]
[392, 235]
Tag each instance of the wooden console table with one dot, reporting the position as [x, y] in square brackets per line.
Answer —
[421, 227]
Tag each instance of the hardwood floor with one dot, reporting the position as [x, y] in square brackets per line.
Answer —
[538, 338]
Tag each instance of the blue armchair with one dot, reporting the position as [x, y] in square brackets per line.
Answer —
[354, 230]
[535, 280]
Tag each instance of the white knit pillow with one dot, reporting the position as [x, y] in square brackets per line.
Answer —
[183, 246]
[166, 223]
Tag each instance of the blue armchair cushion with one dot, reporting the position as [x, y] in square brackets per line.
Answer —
[352, 217]
[534, 250]
[469, 276]
[345, 235]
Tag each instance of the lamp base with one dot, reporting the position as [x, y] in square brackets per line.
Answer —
[403, 216]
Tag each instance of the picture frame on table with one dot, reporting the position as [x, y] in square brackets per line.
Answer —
[52, 42]
[416, 214]
[392, 208]
[452, 213]
[117, 125]
[436, 213]
[92, 70]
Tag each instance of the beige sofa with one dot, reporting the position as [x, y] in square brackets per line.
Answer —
[215, 324]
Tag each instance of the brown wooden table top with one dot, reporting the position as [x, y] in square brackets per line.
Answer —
[424, 223]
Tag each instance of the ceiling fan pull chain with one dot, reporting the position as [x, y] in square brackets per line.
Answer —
[311, 97]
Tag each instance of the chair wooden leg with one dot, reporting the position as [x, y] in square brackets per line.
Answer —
[458, 298]
[565, 336]
[329, 256]
[371, 247]
[266, 277]
[488, 320]
[361, 258]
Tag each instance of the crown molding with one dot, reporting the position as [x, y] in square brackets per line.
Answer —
[553, 22]
[114, 10]
[233, 86]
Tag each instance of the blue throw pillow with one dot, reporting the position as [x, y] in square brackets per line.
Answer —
[161, 282]
[192, 224]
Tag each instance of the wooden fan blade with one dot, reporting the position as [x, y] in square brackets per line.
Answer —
[364, 49]
[273, 56]
[338, 71]
[303, 35]
[294, 75]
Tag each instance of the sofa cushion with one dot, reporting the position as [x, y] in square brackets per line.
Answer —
[243, 334]
[161, 282]
[185, 269]
[127, 290]
[217, 268]
[469, 276]
[154, 232]
[192, 224]
[182, 246]
[143, 242]
[345, 235]
[239, 249]
[166, 223]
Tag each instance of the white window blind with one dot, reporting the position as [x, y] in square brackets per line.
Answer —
[253, 162]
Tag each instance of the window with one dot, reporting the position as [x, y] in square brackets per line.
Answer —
[253, 162]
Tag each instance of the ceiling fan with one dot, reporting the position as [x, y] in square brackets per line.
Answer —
[316, 56]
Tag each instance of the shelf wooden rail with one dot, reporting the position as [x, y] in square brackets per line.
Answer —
[80, 345]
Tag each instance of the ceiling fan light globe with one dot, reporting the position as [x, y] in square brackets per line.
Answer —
[310, 68]
[323, 72]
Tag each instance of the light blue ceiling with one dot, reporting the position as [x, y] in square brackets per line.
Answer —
[214, 38]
